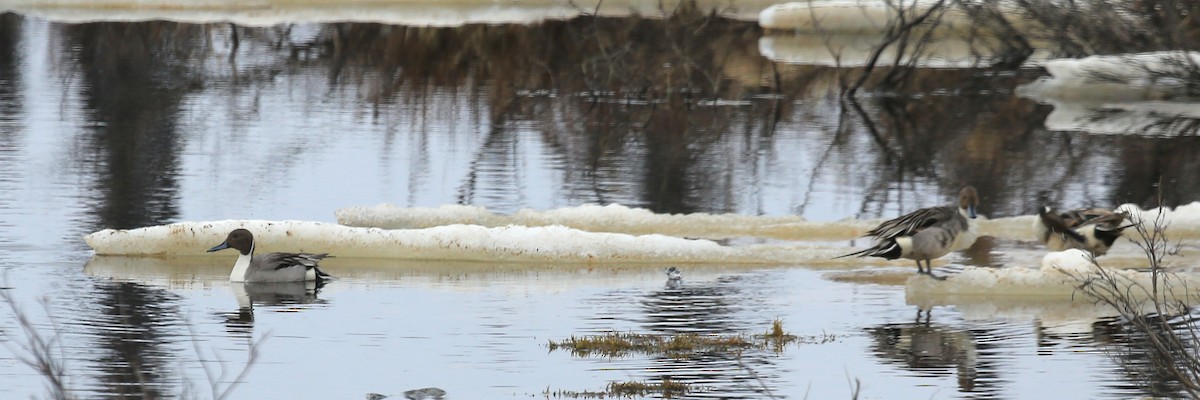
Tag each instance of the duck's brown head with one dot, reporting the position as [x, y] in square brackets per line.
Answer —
[968, 199]
[240, 239]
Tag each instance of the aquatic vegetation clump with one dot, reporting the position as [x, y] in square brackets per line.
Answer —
[681, 345]
[666, 388]
[614, 344]
[776, 338]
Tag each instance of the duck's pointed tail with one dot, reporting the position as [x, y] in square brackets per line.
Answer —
[859, 253]
[888, 249]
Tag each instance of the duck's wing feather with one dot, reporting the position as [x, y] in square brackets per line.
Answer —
[913, 222]
[1106, 220]
[1060, 224]
[278, 261]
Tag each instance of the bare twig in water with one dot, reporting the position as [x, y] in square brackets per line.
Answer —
[44, 353]
[39, 351]
[762, 386]
[216, 376]
[1162, 333]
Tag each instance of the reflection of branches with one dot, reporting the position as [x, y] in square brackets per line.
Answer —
[898, 32]
[871, 128]
[1175, 126]
[888, 153]
[1157, 124]
[1073, 163]
[992, 24]
[843, 127]
[215, 378]
[901, 69]
[1086, 27]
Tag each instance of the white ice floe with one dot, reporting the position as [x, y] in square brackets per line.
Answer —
[269, 13]
[1060, 274]
[566, 235]
[1114, 78]
[841, 16]
[450, 242]
[846, 33]
[828, 16]
[411, 13]
[609, 218]
[856, 50]
[1180, 223]
[1143, 94]
[621, 219]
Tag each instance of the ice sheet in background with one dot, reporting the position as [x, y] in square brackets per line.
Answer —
[608, 218]
[1127, 94]
[546, 244]
[409, 13]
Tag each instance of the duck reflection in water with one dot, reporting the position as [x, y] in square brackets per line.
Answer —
[277, 296]
[929, 350]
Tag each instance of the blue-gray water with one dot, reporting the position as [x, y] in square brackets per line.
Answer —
[121, 125]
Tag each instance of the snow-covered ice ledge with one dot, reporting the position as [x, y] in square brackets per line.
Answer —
[608, 218]
[1121, 77]
[845, 16]
[1059, 276]
[450, 242]
[1142, 94]
[396, 12]
[1184, 221]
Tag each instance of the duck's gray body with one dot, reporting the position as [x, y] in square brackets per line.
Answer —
[270, 267]
[926, 234]
[284, 267]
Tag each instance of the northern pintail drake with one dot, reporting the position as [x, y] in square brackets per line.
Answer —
[270, 267]
[927, 233]
[1091, 229]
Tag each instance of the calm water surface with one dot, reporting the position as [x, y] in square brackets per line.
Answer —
[121, 125]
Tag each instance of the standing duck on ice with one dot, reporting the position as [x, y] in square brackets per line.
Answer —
[927, 233]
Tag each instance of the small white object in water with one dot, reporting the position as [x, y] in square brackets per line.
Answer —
[674, 274]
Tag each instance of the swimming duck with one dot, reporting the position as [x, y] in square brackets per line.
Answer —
[927, 233]
[270, 267]
[1091, 229]
[674, 278]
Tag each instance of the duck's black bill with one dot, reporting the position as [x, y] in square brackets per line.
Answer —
[221, 246]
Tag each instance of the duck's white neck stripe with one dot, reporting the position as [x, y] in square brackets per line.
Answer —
[239, 268]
